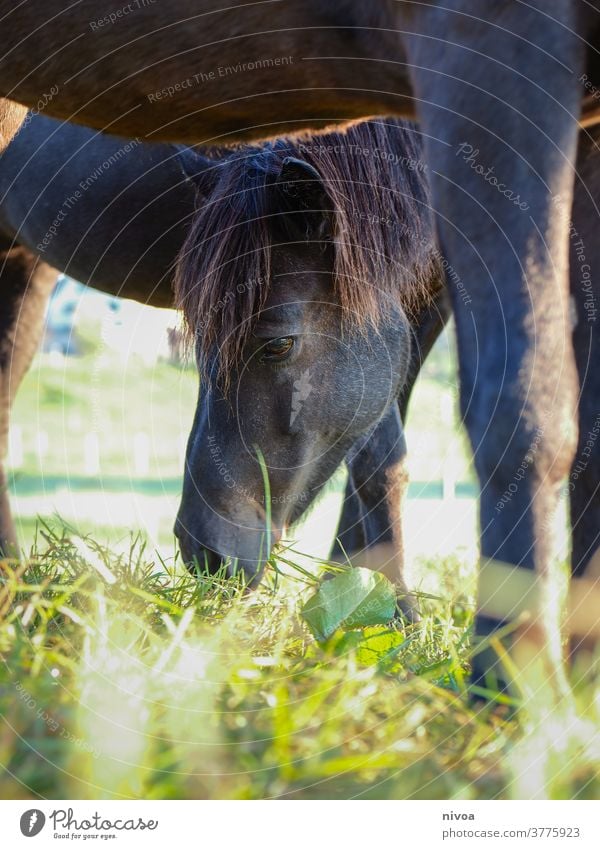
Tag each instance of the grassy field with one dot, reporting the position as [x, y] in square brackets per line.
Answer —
[66, 402]
[68, 398]
[124, 677]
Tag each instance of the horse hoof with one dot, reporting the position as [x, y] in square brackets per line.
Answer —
[406, 607]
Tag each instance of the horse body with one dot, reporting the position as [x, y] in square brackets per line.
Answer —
[192, 72]
[110, 213]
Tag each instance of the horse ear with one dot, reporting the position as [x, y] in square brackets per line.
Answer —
[300, 189]
[199, 170]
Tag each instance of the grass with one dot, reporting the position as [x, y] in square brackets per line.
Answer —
[126, 678]
[68, 398]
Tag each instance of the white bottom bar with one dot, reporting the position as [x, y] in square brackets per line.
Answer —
[301, 825]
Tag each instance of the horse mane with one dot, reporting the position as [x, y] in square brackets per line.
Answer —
[382, 232]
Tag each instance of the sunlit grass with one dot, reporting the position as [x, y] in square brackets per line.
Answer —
[127, 677]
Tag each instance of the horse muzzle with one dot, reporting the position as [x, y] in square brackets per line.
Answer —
[248, 557]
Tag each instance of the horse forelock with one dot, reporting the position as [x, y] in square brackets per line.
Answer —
[382, 233]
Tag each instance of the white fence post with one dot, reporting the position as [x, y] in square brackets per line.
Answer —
[141, 453]
[15, 447]
[449, 468]
[91, 453]
[42, 444]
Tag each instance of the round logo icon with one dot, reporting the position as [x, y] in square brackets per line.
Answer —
[32, 822]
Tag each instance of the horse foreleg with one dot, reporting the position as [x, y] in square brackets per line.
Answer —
[426, 327]
[501, 129]
[25, 285]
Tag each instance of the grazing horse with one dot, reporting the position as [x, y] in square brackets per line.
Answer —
[295, 279]
[114, 214]
[500, 91]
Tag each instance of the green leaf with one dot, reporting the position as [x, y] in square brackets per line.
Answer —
[379, 647]
[354, 599]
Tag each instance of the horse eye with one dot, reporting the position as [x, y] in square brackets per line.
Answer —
[277, 349]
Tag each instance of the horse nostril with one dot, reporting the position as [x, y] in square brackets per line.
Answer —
[206, 560]
[197, 557]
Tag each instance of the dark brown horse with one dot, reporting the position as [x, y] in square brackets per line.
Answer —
[499, 91]
[200, 71]
[295, 278]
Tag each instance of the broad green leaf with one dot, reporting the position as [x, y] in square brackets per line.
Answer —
[379, 646]
[354, 599]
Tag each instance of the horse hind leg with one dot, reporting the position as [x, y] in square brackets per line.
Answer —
[370, 528]
[25, 286]
[351, 533]
[371, 523]
[584, 480]
[583, 624]
[507, 245]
